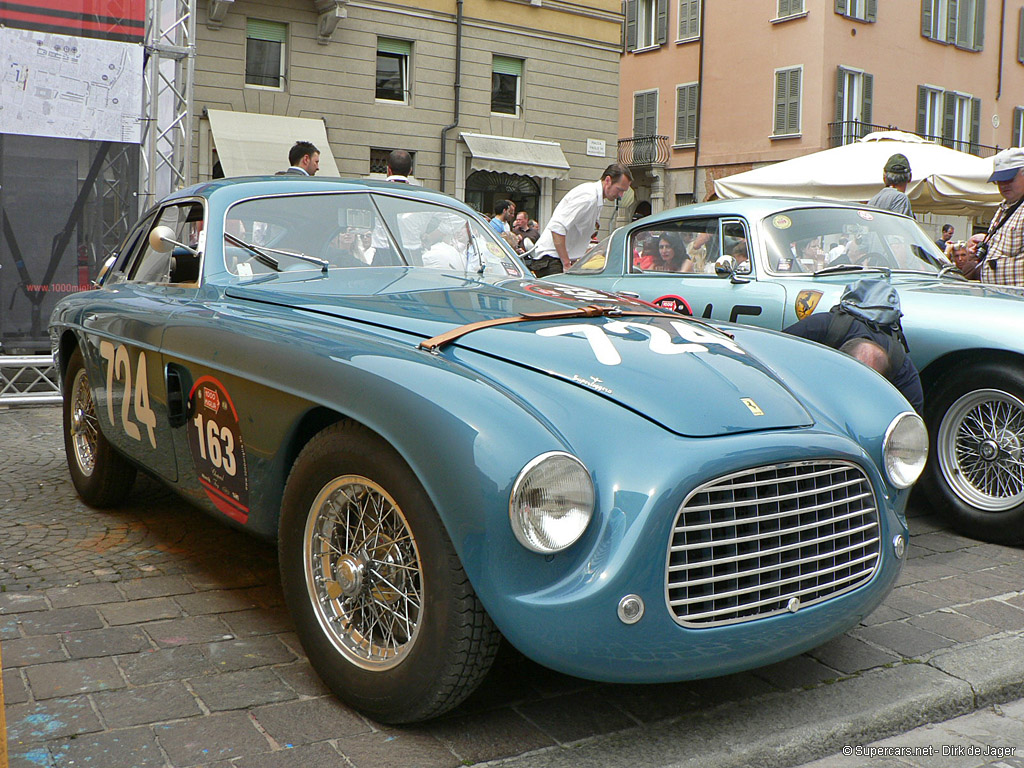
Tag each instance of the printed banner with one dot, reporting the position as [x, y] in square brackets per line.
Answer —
[123, 20]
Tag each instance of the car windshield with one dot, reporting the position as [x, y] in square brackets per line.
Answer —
[594, 259]
[353, 230]
[847, 239]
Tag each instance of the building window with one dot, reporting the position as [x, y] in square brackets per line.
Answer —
[689, 20]
[506, 85]
[957, 22]
[787, 102]
[790, 8]
[645, 113]
[861, 10]
[1018, 127]
[646, 23]
[379, 161]
[264, 53]
[853, 105]
[929, 112]
[961, 121]
[686, 114]
[393, 69]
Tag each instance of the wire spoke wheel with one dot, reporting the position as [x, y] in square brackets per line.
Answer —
[980, 449]
[84, 427]
[363, 572]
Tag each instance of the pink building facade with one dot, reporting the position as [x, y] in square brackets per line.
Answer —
[712, 88]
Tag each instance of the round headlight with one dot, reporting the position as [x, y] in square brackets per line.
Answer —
[905, 450]
[552, 502]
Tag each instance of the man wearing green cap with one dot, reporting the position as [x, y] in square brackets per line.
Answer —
[893, 197]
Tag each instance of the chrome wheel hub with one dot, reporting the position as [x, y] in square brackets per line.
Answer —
[979, 444]
[84, 428]
[363, 572]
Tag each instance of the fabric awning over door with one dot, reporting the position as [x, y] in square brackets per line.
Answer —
[251, 144]
[525, 157]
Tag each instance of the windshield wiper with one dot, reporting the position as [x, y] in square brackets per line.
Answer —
[835, 268]
[267, 260]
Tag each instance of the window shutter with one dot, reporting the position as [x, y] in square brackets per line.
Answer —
[1020, 37]
[841, 7]
[506, 65]
[952, 18]
[979, 25]
[975, 124]
[652, 113]
[1018, 118]
[926, 18]
[645, 113]
[272, 31]
[639, 105]
[949, 119]
[662, 25]
[793, 123]
[387, 45]
[686, 114]
[781, 80]
[840, 93]
[872, 12]
[865, 105]
[631, 11]
[689, 19]
[922, 111]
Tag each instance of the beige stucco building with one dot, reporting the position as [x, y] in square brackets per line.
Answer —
[709, 89]
[494, 98]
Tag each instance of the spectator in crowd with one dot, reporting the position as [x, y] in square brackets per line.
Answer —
[399, 166]
[966, 260]
[668, 255]
[527, 235]
[566, 236]
[893, 196]
[1002, 250]
[304, 159]
[504, 212]
[836, 250]
[947, 235]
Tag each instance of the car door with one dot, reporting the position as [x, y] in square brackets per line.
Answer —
[689, 283]
[122, 340]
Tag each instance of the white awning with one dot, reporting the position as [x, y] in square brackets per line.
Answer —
[251, 144]
[525, 157]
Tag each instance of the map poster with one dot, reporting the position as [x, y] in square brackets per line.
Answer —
[70, 87]
[123, 20]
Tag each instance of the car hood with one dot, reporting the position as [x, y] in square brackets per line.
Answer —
[681, 373]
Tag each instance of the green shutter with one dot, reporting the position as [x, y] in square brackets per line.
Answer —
[686, 114]
[975, 124]
[926, 18]
[645, 113]
[840, 101]
[922, 111]
[505, 65]
[779, 127]
[1020, 37]
[948, 119]
[793, 121]
[661, 27]
[689, 19]
[1018, 129]
[388, 45]
[785, 7]
[631, 11]
[872, 14]
[952, 17]
[841, 7]
[979, 25]
[272, 31]
[865, 105]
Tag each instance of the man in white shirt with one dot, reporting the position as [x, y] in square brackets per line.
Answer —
[576, 217]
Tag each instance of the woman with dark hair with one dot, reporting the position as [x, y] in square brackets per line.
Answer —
[672, 256]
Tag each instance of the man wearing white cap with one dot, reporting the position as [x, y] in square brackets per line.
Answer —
[1003, 247]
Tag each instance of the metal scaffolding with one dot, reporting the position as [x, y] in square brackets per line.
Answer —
[167, 99]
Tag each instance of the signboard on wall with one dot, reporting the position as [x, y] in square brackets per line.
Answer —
[121, 20]
[70, 87]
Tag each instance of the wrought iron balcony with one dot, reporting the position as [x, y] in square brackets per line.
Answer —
[640, 151]
[848, 131]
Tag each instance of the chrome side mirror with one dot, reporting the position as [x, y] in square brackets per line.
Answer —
[161, 240]
[725, 266]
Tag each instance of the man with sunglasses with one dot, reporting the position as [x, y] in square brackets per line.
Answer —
[1003, 247]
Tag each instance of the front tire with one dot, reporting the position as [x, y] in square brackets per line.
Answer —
[381, 603]
[975, 475]
[102, 476]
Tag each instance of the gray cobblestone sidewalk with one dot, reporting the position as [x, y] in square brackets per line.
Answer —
[151, 635]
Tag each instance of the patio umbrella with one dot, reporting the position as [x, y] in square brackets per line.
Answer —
[944, 180]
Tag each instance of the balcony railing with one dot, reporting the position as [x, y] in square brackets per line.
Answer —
[848, 131]
[643, 151]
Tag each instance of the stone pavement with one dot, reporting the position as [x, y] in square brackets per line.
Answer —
[151, 635]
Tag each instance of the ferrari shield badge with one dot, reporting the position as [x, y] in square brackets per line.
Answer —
[754, 407]
[806, 301]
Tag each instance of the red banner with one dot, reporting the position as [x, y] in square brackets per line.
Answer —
[123, 20]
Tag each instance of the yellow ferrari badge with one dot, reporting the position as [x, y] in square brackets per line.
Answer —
[754, 407]
[806, 301]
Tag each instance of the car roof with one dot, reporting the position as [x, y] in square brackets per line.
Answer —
[227, 190]
[754, 207]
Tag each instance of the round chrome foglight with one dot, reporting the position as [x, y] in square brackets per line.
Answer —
[905, 450]
[552, 502]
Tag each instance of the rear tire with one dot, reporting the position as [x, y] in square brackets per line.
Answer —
[381, 603]
[102, 476]
[975, 473]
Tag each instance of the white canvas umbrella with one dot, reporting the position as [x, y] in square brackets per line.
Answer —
[944, 181]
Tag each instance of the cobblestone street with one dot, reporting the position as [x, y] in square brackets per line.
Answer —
[151, 635]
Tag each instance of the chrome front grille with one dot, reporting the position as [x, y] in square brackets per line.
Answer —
[769, 540]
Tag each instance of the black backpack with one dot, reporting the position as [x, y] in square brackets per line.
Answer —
[877, 304]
